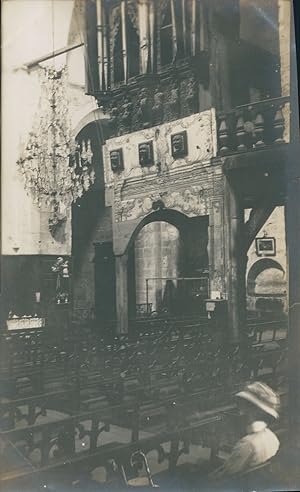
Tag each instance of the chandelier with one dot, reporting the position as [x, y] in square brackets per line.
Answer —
[57, 170]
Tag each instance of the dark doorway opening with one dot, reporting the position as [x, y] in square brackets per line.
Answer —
[168, 268]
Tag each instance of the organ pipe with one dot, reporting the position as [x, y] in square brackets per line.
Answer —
[193, 31]
[174, 33]
[183, 24]
[124, 39]
[100, 41]
[143, 11]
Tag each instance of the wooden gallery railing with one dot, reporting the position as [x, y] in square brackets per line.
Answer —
[253, 126]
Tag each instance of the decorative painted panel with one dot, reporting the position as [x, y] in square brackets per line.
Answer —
[192, 201]
[201, 141]
[163, 163]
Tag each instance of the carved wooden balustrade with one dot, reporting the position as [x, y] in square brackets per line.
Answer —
[253, 126]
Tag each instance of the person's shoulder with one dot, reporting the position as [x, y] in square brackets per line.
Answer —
[244, 445]
[252, 436]
[256, 440]
[272, 436]
[246, 439]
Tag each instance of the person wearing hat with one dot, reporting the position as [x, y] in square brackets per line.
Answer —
[257, 403]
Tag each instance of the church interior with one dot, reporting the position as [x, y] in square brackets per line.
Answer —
[149, 239]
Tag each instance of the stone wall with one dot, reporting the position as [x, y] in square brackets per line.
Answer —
[37, 29]
[256, 16]
[32, 30]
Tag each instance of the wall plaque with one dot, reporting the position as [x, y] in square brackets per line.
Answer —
[179, 145]
[146, 154]
[116, 160]
[265, 246]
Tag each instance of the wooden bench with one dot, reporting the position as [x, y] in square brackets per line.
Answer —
[74, 464]
[29, 409]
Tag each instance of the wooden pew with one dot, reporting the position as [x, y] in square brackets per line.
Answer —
[73, 462]
[176, 353]
[29, 409]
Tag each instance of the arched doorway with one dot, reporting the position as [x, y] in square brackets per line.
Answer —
[92, 252]
[266, 288]
[157, 266]
[168, 265]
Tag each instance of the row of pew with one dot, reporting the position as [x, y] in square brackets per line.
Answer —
[33, 355]
[96, 401]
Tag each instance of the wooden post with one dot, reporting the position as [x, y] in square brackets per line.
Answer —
[99, 9]
[193, 29]
[90, 57]
[122, 293]
[220, 61]
[124, 40]
[236, 262]
[293, 241]
[143, 15]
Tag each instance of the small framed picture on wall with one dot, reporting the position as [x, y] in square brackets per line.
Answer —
[265, 246]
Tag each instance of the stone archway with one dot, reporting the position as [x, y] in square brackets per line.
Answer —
[91, 226]
[171, 216]
[257, 268]
[266, 290]
[192, 243]
[156, 254]
[95, 116]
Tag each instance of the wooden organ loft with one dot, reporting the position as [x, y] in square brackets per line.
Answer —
[127, 39]
[150, 44]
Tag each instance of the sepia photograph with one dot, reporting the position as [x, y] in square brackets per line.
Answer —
[150, 246]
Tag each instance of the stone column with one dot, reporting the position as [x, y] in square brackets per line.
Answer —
[122, 293]
[236, 262]
[216, 246]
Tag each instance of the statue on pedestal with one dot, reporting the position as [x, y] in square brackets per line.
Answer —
[61, 268]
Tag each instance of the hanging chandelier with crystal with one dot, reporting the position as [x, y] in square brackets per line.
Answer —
[57, 170]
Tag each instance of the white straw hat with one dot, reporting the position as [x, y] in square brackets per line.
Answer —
[262, 396]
